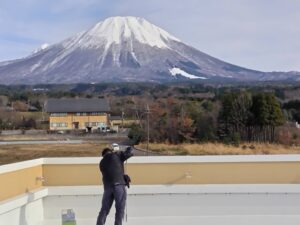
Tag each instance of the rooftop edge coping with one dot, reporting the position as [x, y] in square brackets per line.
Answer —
[152, 159]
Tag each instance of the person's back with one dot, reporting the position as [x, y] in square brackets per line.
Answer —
[113, 177]
[112, 169]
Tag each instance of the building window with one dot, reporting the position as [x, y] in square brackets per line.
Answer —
[81, 114]
[90, 114]
[58, 124]
[101, 124]
[97, 114]
[58, 114]
[91, 124]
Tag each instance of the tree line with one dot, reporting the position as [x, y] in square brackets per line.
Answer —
[234, 117]
[249, 117]
[178, 112]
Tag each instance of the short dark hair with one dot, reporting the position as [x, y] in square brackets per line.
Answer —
[105, 151]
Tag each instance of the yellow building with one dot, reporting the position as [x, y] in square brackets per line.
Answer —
[78, 114]
[119, 121]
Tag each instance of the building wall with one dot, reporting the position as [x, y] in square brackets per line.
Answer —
[180, 173]
[20, 181]
[20, 178]
[116, 122]
[72, 117]
[68, 175]
[30, 213]
[126, 122]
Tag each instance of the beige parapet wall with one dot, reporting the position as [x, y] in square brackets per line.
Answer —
[19, 178]
[279, 169]
[181, 173]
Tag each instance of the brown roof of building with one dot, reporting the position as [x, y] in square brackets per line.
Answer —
[77, 105]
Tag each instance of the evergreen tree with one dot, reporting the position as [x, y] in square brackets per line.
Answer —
[267, 115]
[136, 134]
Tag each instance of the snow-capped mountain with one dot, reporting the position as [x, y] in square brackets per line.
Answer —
[124, 49]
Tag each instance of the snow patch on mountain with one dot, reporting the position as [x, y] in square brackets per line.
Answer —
[42, 47]
[134, 56]
[177, 71]
[35, 66]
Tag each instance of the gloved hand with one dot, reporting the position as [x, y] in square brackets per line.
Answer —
[129, 149]
[127, 180]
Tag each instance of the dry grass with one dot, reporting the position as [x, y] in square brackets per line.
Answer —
[15, 153]
[222, 149]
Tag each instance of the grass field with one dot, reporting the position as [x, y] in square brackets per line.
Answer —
[16, 153]
[222, 149]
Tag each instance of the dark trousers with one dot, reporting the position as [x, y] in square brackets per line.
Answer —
[117, 193]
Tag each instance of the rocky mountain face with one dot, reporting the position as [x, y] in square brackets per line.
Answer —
[126, 49]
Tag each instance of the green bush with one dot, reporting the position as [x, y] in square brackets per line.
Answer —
[136, 134]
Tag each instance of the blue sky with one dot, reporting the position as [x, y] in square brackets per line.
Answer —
[257, 34]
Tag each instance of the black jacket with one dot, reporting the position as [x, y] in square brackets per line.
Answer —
[112, 167]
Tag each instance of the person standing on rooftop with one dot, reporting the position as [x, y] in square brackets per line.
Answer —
[114, 181]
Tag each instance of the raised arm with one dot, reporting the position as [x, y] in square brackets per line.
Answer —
[126, 154]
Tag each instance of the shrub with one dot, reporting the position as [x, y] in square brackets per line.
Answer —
[136, 134]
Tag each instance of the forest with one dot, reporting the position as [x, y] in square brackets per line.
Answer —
[173, 113]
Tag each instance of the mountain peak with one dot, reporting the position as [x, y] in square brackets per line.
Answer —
[116, 29]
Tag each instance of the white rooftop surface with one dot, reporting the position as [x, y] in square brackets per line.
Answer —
[164, 205]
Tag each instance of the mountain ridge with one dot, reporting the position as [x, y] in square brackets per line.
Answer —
[129, 49]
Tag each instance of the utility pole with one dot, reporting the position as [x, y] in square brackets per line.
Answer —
[123, 119]
[137, 116]
[147, 112]
[43, 108]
